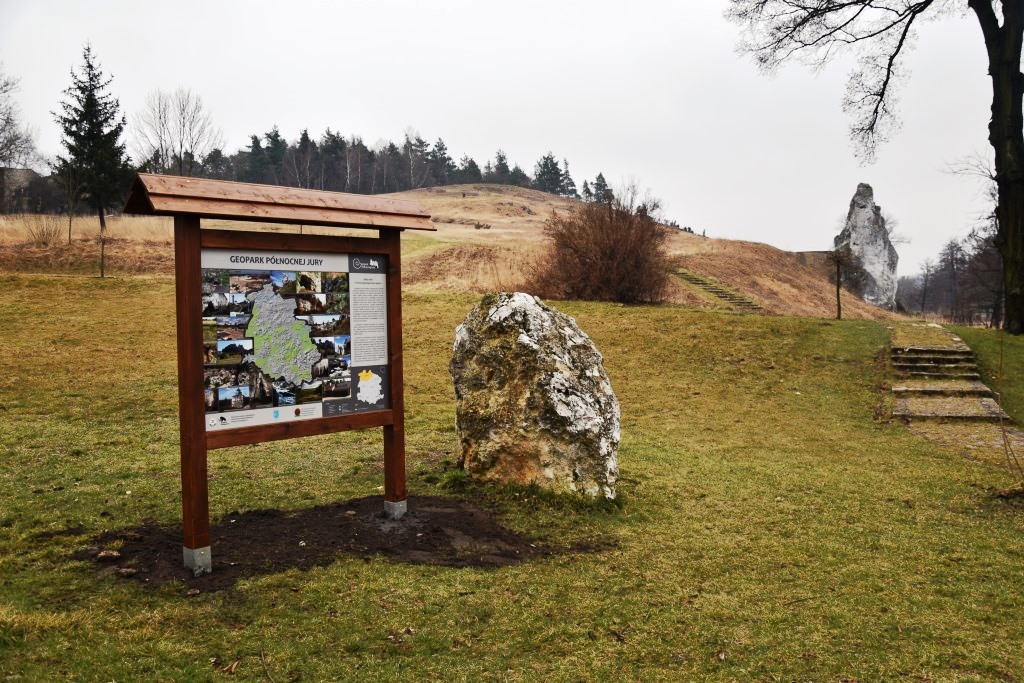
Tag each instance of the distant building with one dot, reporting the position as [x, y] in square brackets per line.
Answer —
[14, 184]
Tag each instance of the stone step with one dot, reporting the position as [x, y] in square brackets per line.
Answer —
[931, 350]
[949, 409]
[933, 358]
[921, 374]
[936, 367]
[734, 299]
[939, 388]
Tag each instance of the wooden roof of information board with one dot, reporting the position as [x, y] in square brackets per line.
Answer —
[162, 195]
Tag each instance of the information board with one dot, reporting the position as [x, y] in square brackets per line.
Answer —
[292, 336]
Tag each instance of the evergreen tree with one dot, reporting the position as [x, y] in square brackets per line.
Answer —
[275, 151]
[92, 127]
[547, 175]
[468, 171]
[501, 169]
[442, 168]
[602, 193]
[518, 176]
[332, 149]
[588, 195]
[568, 187]
[217, 165]
[255, 166]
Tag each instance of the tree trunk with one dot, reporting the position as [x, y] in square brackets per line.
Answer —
[924, 290]
[103, 241]
[839, 288]
[1006, 134]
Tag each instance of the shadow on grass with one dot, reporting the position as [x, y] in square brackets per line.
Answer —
[435, 531]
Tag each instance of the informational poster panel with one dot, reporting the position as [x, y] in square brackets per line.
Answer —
[292, 336]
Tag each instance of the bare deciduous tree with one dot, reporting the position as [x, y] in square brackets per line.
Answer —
[174, 132]
[17, 141]
[881, 32]
[70, 178]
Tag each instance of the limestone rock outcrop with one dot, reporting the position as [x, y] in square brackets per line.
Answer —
[868, 240]
[534, 404]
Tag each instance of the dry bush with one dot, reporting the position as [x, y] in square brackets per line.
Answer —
[606, 251]
[42, 230]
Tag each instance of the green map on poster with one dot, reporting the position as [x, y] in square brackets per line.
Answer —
[282, 345]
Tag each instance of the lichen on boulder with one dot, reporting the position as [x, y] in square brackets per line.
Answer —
[534, 404]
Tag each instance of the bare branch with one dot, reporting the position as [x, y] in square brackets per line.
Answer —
[174, 132]
[814, 31]
[17, 141]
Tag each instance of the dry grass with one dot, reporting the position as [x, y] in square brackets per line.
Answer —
[785, 283]
[17, 229]
[921, 334]
[981, 442]
[488, 237]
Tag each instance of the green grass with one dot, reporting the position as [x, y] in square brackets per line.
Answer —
[1000, 359]
[771, 528]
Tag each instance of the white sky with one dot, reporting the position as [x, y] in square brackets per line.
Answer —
[648, 90]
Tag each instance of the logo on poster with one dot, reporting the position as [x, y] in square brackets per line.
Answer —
[365, 264]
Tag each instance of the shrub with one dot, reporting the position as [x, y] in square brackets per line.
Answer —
[43, 230]
[611, 250]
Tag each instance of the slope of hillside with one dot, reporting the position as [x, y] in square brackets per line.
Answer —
[783, 282]
[488, 238]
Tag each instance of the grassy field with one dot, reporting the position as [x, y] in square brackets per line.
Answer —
[772, 527]
[1001, 362]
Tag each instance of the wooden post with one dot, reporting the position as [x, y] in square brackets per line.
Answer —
[394, 433]
[194, 493]
[190, 199]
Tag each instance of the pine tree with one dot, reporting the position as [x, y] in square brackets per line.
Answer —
[568, 187]
[91, 128]
[588, 195]
[602, 193]
[442, 168]
[501, 169]
[519, 177]
[274, 152]
[547, 175]
[468, 171]
[255, 168]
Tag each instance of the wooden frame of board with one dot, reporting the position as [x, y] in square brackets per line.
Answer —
[188, 201]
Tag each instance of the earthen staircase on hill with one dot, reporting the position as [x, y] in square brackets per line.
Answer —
[942, 383]
[716, 289]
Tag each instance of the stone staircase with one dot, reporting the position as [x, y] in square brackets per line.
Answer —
[942, 383]
[733, 299]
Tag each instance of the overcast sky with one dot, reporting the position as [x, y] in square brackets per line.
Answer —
[652, 91]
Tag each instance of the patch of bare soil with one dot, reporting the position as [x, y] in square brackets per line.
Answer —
[435, 531]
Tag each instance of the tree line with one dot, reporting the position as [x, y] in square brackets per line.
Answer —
[963, 283]
[175, 134]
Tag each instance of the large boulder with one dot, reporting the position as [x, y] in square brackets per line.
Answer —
[534, 404]
[867, 238]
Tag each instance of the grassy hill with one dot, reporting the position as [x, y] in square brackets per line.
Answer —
[487, 239]
[771, 526]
